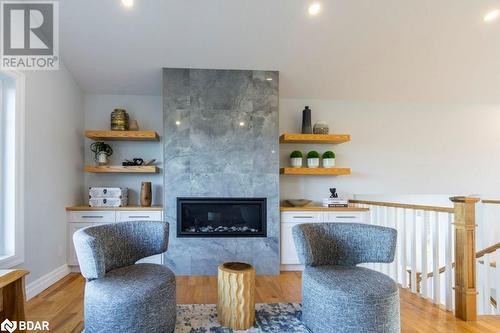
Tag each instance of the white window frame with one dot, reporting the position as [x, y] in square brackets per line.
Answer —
[17, 258]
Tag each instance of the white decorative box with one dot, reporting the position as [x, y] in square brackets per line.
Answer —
[108, 192]
[335, 202]
[108, 202]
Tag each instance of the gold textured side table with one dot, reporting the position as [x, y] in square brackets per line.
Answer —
[236, 295]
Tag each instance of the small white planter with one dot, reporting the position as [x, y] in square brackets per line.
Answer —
[296, 162]
[328, 163]
[313, 162]
[102, 158]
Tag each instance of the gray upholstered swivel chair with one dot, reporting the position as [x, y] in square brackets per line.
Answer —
[121, 296]
[337, 295]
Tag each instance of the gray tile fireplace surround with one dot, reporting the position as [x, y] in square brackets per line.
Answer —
[221, 140]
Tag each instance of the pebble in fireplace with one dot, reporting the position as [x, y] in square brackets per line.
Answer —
[221, 217]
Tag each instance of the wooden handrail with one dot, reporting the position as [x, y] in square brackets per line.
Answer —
[491, 201]
[489, 249]
[407, 206]
[479, 254]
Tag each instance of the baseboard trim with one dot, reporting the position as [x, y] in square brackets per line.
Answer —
[287, 268]
[42, 283]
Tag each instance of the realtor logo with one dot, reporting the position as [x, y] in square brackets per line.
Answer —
[30, 35]
[8, 326]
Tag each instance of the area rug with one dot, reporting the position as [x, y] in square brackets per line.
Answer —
[270, 318]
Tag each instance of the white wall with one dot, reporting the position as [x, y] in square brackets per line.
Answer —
[53, 166]
[147, 110]
[400, 148]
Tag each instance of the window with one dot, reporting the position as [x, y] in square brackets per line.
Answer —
[11, 168]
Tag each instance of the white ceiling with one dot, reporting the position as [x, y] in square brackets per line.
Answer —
[420, 50]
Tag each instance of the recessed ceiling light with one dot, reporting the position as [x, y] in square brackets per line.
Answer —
[491, 16]
[128, 3]
[314, 8]
[242, 123]
[177, 123]
[269, 79]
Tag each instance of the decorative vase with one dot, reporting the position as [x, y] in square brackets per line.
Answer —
[306, 121]
[119, 120]
[146, 195]
[102, 158]
[328, 163]
[313, 162]
[133, 125]
[296, 162]
[321, 127]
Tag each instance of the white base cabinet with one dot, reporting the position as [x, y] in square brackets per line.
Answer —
[289, 219]
[82, 219]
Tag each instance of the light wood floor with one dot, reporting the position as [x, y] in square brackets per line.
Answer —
[62, 304]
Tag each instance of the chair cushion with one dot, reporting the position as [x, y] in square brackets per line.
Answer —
[349, 283]
[133, 299]
[133, 283]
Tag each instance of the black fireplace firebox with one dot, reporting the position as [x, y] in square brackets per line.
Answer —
[221, 217]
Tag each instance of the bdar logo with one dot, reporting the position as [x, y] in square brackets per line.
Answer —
[8, 326]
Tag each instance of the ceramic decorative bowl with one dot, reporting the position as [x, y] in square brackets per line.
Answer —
[299, 202]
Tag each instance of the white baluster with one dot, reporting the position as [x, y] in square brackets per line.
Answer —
[394, 265]
[402, 241]
[486, 284]
[384, 223]
[436, 278]
[425, 232]
[497, 280]
[369, 220]
[448, 263]
[414, 252]
[480, 269]
[376, 221]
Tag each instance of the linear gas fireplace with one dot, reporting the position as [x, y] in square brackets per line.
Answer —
[221, 217]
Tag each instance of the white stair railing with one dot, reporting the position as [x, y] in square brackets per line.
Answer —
[424, 247]
[425, 256]
[488, 259]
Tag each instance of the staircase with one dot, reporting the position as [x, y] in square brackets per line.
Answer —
[436, 257]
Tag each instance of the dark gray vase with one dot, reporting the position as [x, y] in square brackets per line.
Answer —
[306, 121]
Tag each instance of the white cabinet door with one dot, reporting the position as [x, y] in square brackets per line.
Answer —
[288, 250]
[73, 227]
[291, 219]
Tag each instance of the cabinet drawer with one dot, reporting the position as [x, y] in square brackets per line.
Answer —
[344, 217]
[92, 216]
[288, 251]
[72, 259]
[302, 217]
[123, 216]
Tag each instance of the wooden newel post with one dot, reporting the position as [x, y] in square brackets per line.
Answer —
[465, 257]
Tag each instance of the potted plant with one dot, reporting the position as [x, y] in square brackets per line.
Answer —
[101, 152]
[313, 159]
[328, 159]
[296, 159]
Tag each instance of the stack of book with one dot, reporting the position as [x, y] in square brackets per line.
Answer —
[108, 197]
[335, 202]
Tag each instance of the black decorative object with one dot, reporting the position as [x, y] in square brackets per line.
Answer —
[334, 193]
[306, 121]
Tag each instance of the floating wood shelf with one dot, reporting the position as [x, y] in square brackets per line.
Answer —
[122, 135]
[121, 169]
[314, 138]
[316, 171]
